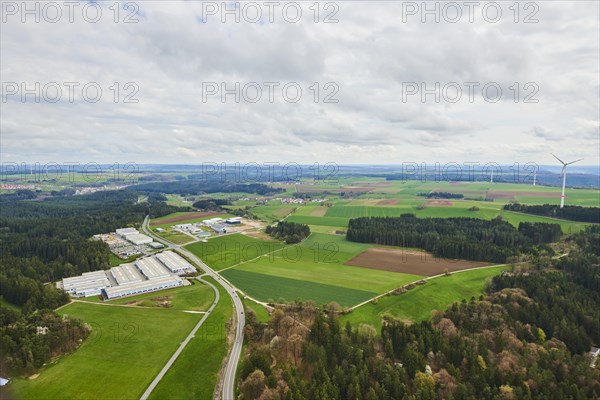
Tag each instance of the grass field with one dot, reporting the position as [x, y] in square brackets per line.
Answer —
[224, 251]
[174, 236]
[314, 270]
[416, 304]
[194, 374]
[181, 216]
[127, 348]
[273, 212]
[269, 287]
[262, 315]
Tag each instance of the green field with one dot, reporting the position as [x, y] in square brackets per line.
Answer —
[126, 349]
[158, 222]
[225, 251]
[274, 212]
[262, 315]
[174, 236]
[194, 374]
[416, 304]
[315, 270]
[273, 288]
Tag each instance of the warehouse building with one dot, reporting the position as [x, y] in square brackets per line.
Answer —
[145, 275]
[87, 284]
[175, 263]
[126, 273]
[151, 268]
[133, 288]
[138, 238]
[234, 220]
[126, 231]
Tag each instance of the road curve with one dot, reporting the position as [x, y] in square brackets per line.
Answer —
[189, 337]
[228, 392]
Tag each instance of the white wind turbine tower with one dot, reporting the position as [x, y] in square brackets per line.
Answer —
[564, 174]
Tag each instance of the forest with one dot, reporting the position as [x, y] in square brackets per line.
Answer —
[572, 213]
[459, 238]
[527, 338]
[289, 232]
[195, 187]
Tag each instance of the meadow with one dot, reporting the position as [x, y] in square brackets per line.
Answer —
[225, 251]
[417, 304]
[314, 270]
[128, 346]
[194, 373]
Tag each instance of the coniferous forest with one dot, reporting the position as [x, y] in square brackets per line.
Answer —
[527, 338]
[573, 213]
[464, 238]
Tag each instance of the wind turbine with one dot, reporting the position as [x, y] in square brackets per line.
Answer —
[564, 174]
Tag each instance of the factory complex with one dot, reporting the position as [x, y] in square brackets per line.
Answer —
[149, 274]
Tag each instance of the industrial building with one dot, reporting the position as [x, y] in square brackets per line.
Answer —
[234, 220]
[151, 285]
[138, 238]
[175, 263]
[126, 273]
[156, 245]
[87, 284]
[145, 275]
[126, 231]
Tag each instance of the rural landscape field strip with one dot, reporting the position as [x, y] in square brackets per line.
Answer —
[270, 287]
[416, 304]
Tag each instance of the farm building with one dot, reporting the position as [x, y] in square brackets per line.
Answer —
[151, 285]
[234, 220]
[87, 284]
[175, 263]
[138, 238]
[126, 231]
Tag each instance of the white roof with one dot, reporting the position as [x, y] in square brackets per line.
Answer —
[173, 261]
[151, 268]
[125, 273]
[152, 284]
[87, 280]
[139, 237]
[126, 231]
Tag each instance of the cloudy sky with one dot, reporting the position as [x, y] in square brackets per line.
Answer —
[369, 75]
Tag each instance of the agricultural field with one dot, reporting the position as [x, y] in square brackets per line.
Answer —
[273, 212]
[416, 304]
[128, 347]
[406, 200]
[194, 373]
[185, 218]
[314, 270]
[225, 251]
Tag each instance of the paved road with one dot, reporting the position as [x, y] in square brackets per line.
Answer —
[236, 351]
[189, 337]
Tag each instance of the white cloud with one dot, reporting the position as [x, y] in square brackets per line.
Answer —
[369, 54]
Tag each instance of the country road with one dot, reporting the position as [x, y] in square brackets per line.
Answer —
[228, 392]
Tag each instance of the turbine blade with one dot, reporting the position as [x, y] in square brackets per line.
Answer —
[561, 161]
[572, 162]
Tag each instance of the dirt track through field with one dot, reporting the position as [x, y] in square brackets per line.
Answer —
[410, 262]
